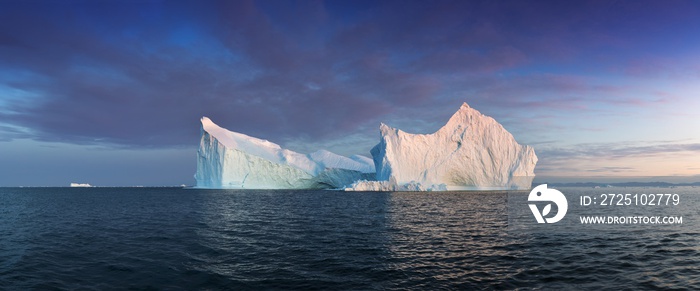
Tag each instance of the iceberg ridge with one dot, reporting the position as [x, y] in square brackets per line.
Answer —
[227, 159]
[471, 152]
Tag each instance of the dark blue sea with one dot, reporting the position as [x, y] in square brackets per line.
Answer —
[187, 239]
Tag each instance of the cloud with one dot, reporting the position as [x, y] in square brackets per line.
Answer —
[141, 74]
[612, 169]
[618, 158]
[617, 150]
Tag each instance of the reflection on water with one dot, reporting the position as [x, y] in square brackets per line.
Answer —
[232, 239]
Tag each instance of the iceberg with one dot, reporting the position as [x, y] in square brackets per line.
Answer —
[471, 152]
[228, 159]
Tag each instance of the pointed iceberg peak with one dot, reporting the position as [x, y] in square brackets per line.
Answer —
[217, 131]
[465, 109]
[467, 116]
[206, 121]
[385, 129]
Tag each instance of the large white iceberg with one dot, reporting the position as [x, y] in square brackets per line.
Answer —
[471, 152]
[227, 159]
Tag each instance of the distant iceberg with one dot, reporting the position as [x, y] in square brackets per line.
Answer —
[229, 159]
[471, 152]
[80, 185]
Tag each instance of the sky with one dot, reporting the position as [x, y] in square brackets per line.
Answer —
[111, 92]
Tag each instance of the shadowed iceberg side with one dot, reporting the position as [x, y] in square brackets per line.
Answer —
[471, 152]
[227, 159]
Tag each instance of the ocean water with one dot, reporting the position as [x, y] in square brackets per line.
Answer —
[186, 239]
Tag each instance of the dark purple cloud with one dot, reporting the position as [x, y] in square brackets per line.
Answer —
[142, 73]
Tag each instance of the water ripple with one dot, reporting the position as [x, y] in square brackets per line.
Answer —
[174, 239]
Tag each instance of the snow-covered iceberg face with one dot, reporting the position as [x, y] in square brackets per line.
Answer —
[472, 151]
[229, 159]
